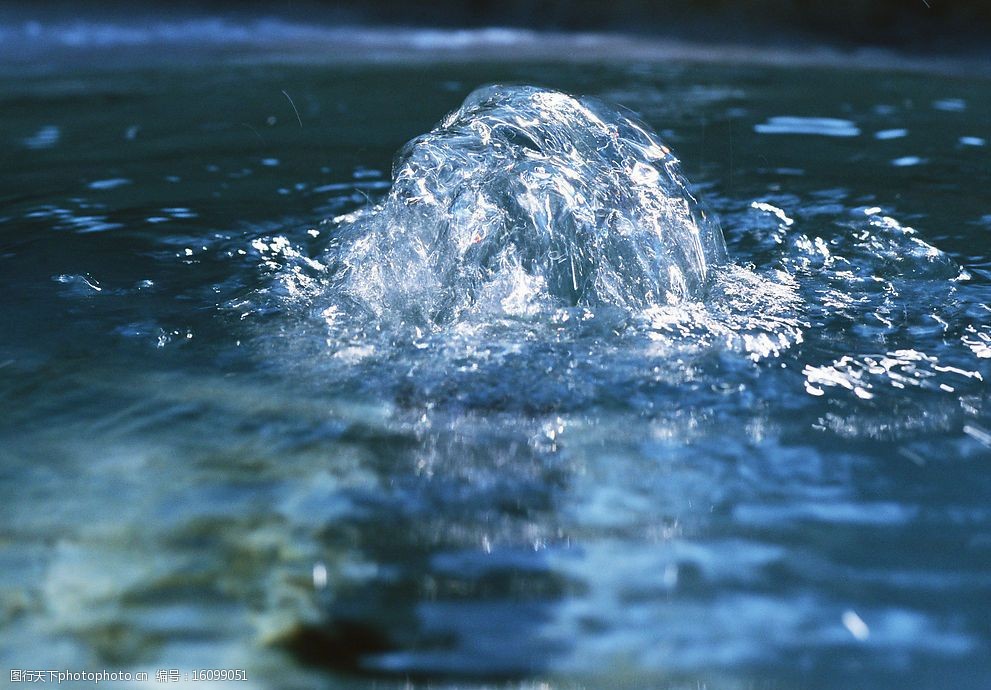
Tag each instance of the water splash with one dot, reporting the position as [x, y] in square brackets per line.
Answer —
[524, 196]
[535, 251]
[536, 237]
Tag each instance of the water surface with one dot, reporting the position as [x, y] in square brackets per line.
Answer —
[783, 484]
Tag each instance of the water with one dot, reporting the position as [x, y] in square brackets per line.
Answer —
[212, 459]
[538, 193]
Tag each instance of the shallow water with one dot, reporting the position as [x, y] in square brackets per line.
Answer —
[784, 484]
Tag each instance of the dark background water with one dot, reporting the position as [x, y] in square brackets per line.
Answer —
[787, 493]
[915, 25]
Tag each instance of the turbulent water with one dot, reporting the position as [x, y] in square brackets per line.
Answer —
[528, 223]
[527, 185]
[531, 411]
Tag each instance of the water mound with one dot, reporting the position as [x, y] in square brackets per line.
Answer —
[534, 252]
[526, 196]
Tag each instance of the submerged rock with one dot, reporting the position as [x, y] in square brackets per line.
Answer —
[528, 196]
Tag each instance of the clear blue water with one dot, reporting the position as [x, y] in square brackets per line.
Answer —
[783, 484]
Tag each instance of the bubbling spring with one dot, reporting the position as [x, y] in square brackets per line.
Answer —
[525, 197]
[531, 236]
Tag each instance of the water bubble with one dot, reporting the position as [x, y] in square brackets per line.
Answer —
[523, 240]
[527, 190]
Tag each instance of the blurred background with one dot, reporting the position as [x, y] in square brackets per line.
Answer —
[909, 25]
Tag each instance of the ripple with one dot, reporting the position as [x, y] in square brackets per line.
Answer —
[908, 161]
[899, 369]
[112, 183]
[950, 105]
[45, 138]
[820, 126]
[886, 134]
